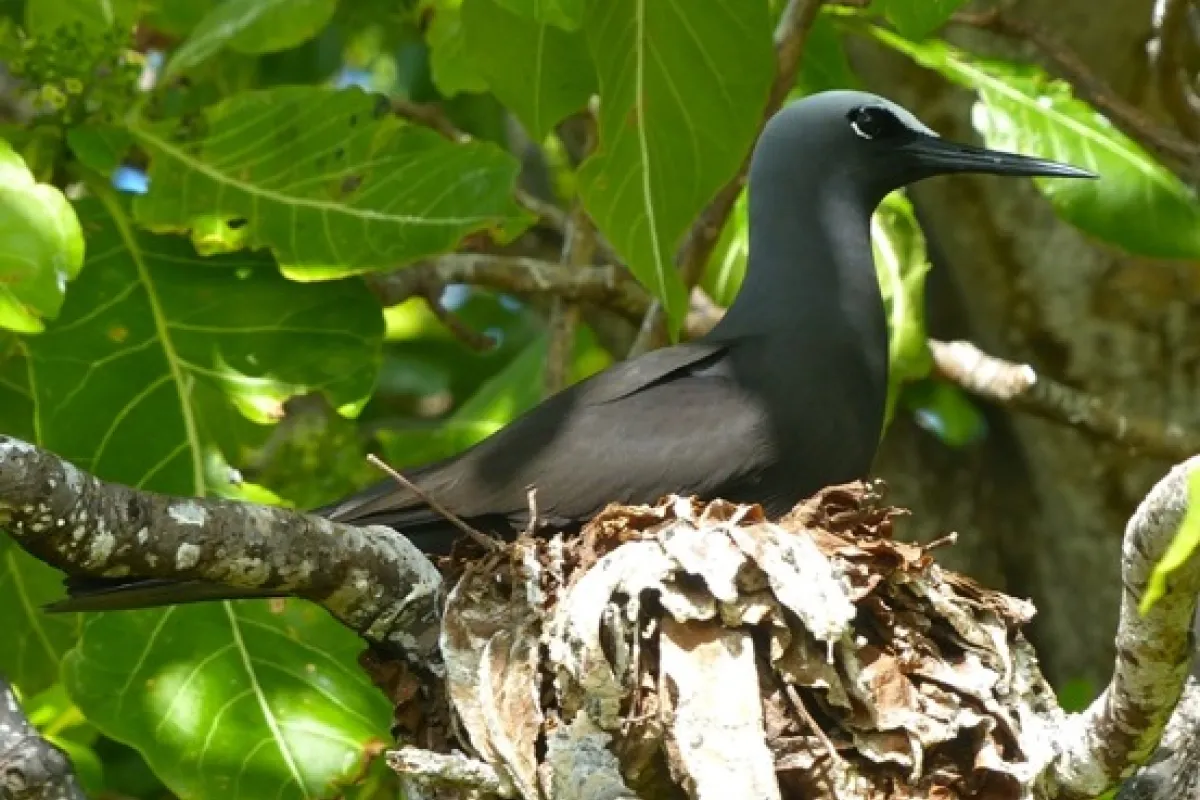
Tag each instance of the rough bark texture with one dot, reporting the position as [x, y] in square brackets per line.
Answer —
[1044, 503]
[31, 768]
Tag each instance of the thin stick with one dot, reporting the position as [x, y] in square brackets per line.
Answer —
[485, 541]
[794, 696]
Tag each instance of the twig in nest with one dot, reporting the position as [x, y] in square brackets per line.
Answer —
[534, 522]
[472, 338]
[798, 702]
[483, 540]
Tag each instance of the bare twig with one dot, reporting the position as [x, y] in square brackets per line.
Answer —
[447, 770]
[31, 768]
[1019, 386]
[430, 116]
[484, 541]
[1174, 80]
[454, 323]
[1123, 726]
[608, 286]
[579, 248]
[818, 731]
[1086, 84]
[372, 579]
[790, 35]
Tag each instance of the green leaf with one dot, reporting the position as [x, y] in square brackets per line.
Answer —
[99, 147]
[34, 642]
[155, 348]
[727, 263]
[1182, 548]
[676, 121]
[823, 64]
[252, 27]
[325, 179]
[44, 16]
[542, 73]
[1137, 204]
[41, 246]
[452, 65]
[901, 265]
[179, 17]
[566, 14]
[232, 700]
[916, 19]
[945, 411]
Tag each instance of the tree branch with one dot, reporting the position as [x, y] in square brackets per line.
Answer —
[1087, 84]
[1019, 386]
[1174, 80]
[371, 579]
[31, 768]
[790, 35]
[1122, 727]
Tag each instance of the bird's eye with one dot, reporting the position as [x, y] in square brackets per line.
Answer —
[874, 122]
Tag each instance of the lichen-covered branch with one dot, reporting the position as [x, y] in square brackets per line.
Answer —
[1122, 727]
[1020, 387]
[1174, 771]
[372, 579]
[31, 768]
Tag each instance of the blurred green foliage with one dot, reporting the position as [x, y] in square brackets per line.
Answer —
[215, 333]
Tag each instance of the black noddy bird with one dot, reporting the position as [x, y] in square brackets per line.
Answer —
[783, 397]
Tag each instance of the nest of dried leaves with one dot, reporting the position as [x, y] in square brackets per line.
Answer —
[696, 650]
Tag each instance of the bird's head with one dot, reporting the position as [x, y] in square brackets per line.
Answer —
[862, 141]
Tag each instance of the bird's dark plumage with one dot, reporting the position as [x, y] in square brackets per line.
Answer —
[785, 396]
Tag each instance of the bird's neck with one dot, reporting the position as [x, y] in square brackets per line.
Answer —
[810, 267]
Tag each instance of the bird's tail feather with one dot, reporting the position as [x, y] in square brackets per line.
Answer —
[126, 594]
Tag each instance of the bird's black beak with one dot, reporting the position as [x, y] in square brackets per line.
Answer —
[940, 157]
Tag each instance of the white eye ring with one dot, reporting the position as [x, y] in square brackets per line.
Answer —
[860, 131]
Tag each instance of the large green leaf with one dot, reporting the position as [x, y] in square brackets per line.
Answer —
[451, 65]
[140, 381]
[43, 16]
[542, 73]
[328, 180]
[34, 642]
[683, 87]
[41, 246]
[1137, 203]
[251, 26]
[901, 265]
[917, 19]
[232, 700]
[158, 345]
[566, 14]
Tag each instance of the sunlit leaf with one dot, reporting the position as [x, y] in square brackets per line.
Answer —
[327, 180]
[727, 263]
[1137, 204]
[156, 356]
[41, 246]
[540, 72]
[233, 700]
[251, 26]
[901, 265]
[916, 19]
[676, 120]
[1182, 548]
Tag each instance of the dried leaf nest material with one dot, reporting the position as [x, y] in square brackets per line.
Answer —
[697, 650]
